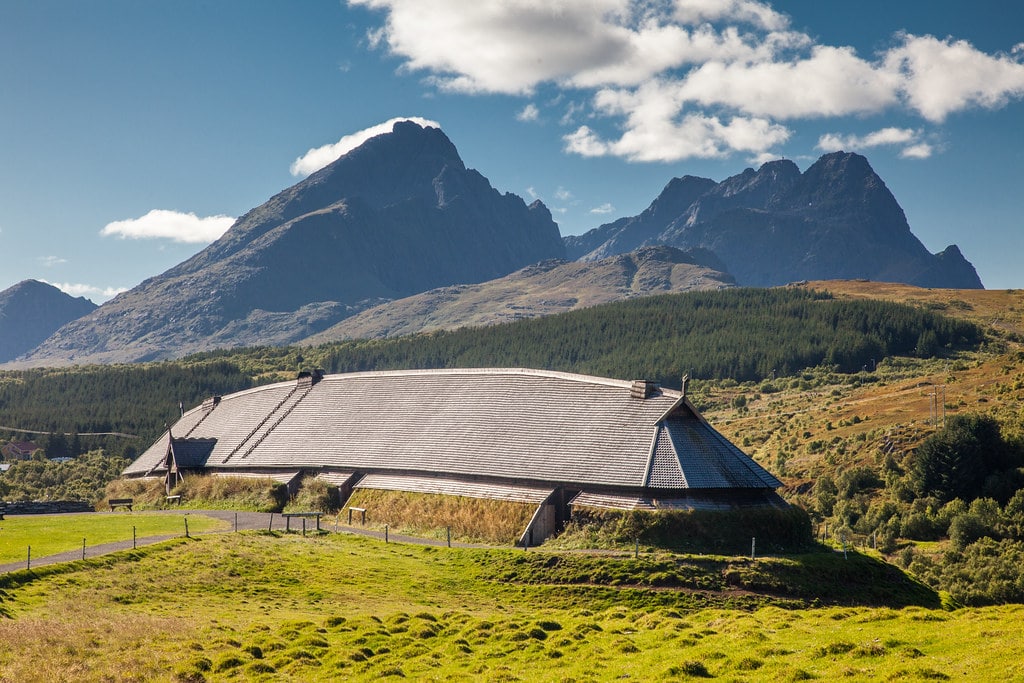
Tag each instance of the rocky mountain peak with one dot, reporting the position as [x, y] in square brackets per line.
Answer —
[31, 311]
[776, 225]
[397, 215]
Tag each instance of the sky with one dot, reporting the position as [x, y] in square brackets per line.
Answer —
[133, 132]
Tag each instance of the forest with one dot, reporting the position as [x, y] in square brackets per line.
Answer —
[738, 334]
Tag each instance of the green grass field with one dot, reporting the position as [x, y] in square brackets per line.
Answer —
[253, 605]
[52, 534]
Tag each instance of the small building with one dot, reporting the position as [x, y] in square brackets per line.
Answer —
[553, 439]
[18, 450]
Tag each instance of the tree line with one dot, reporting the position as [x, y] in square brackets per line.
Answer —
[738, 334]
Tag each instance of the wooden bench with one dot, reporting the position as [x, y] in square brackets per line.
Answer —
[3, 509]
[120, 503]
[288, 518]
[174, 499]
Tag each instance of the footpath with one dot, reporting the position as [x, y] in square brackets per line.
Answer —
[245, 521]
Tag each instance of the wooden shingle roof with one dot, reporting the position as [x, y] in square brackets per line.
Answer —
[515, 425]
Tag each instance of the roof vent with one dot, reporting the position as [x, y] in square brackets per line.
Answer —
[211, 403]
[308, 378]
[643, 388]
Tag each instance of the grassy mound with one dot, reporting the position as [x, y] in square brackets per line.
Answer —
[473, 520]
[252, 606]
[205, 493]
[721, 531]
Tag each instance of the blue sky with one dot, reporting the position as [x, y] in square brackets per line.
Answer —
[132, 132]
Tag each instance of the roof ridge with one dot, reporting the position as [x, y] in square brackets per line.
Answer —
[497, 372]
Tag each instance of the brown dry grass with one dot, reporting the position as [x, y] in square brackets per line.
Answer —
[74, 643]
[995, 309]
[470, 519]
[239, 493]
[842, 422]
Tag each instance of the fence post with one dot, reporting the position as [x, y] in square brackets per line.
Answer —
[385, 533]
[236, 522]
[303, 527]
[449, 529]
[133, 538]
[28, 563]
[83, 548]
[186, 528]
[636, 548]
[271, 527]
[753, 546]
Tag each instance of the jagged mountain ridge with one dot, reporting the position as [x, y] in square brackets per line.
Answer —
[31, 311]
[836, 220]
[545, 288]
[398, 215]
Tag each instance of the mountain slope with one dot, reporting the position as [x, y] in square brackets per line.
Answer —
[836, 220]
[31, 311]
[398, 215]
[549, 287]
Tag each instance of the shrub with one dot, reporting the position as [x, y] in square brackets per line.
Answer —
[957, 461]
[966, 529]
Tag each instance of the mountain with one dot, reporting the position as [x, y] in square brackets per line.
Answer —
[545, 288]
[398, 215]
[31, 311]
[836, 220]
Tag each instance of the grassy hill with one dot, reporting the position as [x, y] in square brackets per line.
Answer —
[839, 388]
[260, 606]
[849, 446]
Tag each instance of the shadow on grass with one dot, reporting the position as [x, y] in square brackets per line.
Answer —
[818, 578]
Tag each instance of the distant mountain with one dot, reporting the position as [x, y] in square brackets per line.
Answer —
[776, 225]
[548, 287]
[31, 311]
[398, 215]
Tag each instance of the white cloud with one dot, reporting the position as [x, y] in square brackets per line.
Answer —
[563, 194]
[759, 14]
[92, 292]
[919, 151]
[172, 225]
[941, 77]
[763, 158]
[511, 46]
[687, 78]
[572, 110]
[50, 261]
[318, 157]
[829, 82]
[529, 113]
[654, 133]
[603, 209]
[908, 138]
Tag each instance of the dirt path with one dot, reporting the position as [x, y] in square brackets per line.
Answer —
[238, 521]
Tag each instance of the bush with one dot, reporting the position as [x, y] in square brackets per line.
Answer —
[966, 529]
[958, 461]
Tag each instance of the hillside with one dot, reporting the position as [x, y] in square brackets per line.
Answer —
[398, 215]
[777, 225]
[842, 396]
[241, 606]
[31, 311]
[546, 288]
